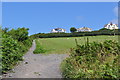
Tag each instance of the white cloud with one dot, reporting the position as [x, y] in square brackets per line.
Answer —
[116, 11]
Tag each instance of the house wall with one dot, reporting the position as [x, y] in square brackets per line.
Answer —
[54, 31]
[83, 30]
[113, 26]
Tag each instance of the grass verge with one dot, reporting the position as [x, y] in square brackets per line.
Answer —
[39, 48]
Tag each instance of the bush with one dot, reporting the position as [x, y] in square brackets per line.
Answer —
[14, 47]
[19, 34]
[10, 53]
[93, 60]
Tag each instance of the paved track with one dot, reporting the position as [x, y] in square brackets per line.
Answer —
[38, 65]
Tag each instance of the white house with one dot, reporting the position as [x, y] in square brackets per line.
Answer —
[84, 29]
[58, 30]
[111, 26]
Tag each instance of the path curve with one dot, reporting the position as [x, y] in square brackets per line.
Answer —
[38, 65]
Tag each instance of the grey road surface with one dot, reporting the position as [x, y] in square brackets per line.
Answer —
[38, 65]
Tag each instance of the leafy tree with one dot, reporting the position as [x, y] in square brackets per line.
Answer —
[73, 29]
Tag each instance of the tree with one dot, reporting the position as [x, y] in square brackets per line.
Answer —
[73, 29]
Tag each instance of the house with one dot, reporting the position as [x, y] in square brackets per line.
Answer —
[111, 26]
[84, 29]
[58, 30]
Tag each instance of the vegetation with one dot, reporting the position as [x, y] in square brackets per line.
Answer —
[63, 45]
[89, 60]
[73, 29]
[93, 60]
[14, 45]
[102, 31]
[39, 48]
[19, 34]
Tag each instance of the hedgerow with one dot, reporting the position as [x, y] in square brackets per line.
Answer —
[77, 34]
[93, 60]
[10, 52]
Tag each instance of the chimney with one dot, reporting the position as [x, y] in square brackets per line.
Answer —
[111, 23]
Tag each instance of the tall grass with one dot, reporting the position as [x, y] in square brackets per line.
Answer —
[93, 60]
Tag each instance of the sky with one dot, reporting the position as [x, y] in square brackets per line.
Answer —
[41, 17]
[60, 0]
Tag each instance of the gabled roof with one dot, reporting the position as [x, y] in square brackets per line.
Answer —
[84, 28]
[110, 24]
[59, 29]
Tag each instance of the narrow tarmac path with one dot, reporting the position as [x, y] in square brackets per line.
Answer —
[38, 65]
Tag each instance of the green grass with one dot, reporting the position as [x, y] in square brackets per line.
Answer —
[63, 45]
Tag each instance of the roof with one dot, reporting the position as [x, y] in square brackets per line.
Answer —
[59, 29]
[110, 24]
[84, 28]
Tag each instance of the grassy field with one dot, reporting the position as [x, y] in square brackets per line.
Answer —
[63, 45]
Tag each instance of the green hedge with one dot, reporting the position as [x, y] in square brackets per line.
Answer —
[10, 52]
[77, 34]
[13, 49]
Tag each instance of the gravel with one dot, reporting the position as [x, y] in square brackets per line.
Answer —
[38, 65]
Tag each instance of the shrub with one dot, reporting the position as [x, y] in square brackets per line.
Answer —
[93, 60]
[19, 34]
[15, 43]
[10, 52]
